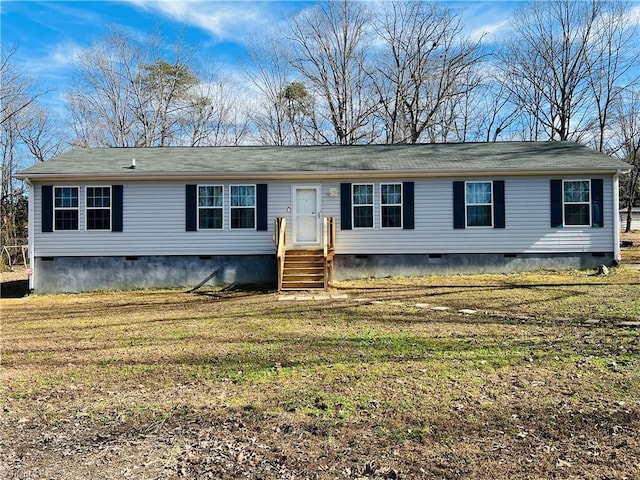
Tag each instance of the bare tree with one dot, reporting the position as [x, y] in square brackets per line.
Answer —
[612, 55]
[494, 112]
[27, 134]
[626, 112]
[215, 115]
[139, 94]
[284, 113]
[269, 73]
[546, 64]
[330, 44]
[427, 64]
[105, 86]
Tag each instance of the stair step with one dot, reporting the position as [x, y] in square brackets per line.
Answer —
[311, 277]
[304, 270]
[304, 267]
[303, 286]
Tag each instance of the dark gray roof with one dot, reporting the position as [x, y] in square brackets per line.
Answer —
[269, 161]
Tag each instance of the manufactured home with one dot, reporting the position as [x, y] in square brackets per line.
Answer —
[298, 217]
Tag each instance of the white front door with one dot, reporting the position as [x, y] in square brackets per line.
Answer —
[306, 215]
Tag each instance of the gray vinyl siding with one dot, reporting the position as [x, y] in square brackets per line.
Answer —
[154, 223]
[527, 215]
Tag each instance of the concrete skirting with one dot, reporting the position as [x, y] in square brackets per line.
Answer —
[377, 266]
[85, 274]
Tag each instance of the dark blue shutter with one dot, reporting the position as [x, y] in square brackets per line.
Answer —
[117, 206]
[597, 216]
[498, 204]
[345, 206]
[261, 206]
[556, 203]
[407, 206]
[458, 205]
[47, 208]
[192, 208]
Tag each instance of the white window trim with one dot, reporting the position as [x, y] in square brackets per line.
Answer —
[199, 207]
[401, 205]
[87, 208]
[255, 206]
[588, 203]
[55, 187]
[372, 205]
[467, 204]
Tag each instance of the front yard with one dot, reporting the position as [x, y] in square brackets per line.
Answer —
[537, 377]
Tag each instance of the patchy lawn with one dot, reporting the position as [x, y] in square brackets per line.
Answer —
[541, 381]
[631, 254]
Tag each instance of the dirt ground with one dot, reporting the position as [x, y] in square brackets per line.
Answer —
[494, 427]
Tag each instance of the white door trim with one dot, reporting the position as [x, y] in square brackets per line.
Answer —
[316, 212]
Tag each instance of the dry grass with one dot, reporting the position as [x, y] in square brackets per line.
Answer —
[542, 382]
[631, 254]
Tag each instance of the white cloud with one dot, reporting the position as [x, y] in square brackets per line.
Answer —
[234, 21]
[488, 20]
[634, 14]
[63, 55]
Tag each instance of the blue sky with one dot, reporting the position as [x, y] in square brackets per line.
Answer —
[48, 34]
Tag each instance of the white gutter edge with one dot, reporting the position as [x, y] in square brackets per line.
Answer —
[31, 234]
[617, 255]
[304, 175]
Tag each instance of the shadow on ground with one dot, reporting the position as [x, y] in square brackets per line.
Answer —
[14, 289]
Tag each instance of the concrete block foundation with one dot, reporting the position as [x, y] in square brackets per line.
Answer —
[85, 274]
[348, 267]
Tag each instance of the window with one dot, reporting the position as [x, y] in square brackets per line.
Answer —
[243, 206]
[98, 208]
[576, 202]
[391, 205]
[66, 208]
[362, 206]
[478, 204]
[210, 207]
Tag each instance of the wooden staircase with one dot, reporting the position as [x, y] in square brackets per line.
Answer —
[303, 270]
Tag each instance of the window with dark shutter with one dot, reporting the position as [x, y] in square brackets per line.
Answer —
[408, 221]
[98, 208]
[191, 202]
[210, 207]
[243, 206]
[391, 205]
[458, 205]
[597, 203]
[556, 203]
[498, 204]
[262, 220]
[47, 208]
[118, 204]
[345, 206]
[66, 208]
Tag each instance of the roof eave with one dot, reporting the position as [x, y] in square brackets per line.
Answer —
[164, 176]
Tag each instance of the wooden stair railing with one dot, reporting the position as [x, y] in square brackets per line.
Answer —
[305, 269]
[328, 243]
[280, 240]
